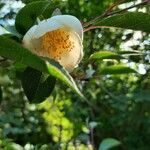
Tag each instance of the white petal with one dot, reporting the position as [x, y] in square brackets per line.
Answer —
[27, 39]
[51, 24]
[71, 59]
[46, 26]
[71, 22]
[35, 32]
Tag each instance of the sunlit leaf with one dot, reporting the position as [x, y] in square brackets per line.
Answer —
[105, 55]
[117, 69]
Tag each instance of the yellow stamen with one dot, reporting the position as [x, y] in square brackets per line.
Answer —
[56, 43]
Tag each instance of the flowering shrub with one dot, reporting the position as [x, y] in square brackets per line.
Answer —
[101, 98]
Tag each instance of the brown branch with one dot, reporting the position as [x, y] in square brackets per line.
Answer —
[108, 13]
[95, 27]
[104, 14]
[137, 5]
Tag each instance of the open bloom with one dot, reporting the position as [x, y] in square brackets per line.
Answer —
[59, 38]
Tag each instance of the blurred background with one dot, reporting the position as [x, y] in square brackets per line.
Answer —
[64, 121]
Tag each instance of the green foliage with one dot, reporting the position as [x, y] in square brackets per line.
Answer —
[37, 87]
[117, 69]
[105, 55]
[27, 16]
[117, 96]
[130, 53]
[128, 20]
[108, 143]
[141, 96]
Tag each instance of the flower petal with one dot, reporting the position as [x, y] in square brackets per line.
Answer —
[51, 24]
[27, 39]
[37, 31]
[71, 22]
[72, 58]
[46, 26]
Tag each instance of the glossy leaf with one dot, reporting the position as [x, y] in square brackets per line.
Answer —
[15, 52]
[36, 86]
[129, 20]
[27, 16]
[108, 143]
[117, 69]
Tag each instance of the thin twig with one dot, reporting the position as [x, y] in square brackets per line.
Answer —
[115, 12]
[104, 14]
[95, 27]
[92, 138]
[93, 106]
[137, 5]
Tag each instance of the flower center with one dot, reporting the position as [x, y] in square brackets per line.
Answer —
[57, 43]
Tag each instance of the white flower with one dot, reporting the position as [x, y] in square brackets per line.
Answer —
[59, 38]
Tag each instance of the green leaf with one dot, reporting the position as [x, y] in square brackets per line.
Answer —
[108, 143]
[141, 96]
[36, 85]
[14, 51]
[105, 55]
[117, 69]
[27, 16]
[130, 52]
[129, 20]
